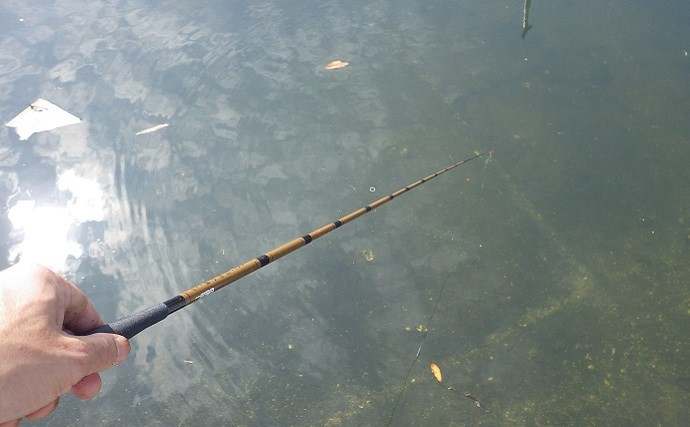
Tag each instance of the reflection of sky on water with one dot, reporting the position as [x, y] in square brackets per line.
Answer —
[45, 239]
[47, 236]
[264, 145]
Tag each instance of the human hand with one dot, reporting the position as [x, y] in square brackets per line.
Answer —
[39, 359]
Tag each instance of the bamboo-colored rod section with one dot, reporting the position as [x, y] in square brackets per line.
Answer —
[202, 289]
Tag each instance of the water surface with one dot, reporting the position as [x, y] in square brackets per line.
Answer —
[559, 267]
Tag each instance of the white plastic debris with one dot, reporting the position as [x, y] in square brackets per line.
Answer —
[41, 115]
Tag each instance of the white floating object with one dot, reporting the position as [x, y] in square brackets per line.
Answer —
[153, 129]
[41, 115]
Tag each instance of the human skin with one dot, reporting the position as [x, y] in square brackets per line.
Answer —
[40, 357]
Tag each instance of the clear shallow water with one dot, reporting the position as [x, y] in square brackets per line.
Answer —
[564, 259]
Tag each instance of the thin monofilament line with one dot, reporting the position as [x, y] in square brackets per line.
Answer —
[421, 344]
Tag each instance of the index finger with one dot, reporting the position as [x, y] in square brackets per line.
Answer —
[79, 314]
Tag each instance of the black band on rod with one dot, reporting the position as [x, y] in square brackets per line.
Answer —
[175, 304]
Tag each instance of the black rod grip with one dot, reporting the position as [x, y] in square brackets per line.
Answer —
[131, 325]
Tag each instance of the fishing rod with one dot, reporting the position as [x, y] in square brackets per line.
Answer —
[131, 325]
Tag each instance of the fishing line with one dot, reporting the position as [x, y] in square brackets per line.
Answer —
[131, 325]
[421, 344]
[490, 154]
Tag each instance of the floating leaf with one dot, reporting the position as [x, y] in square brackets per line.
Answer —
[153, 129]
[436, 371]
[334, 65]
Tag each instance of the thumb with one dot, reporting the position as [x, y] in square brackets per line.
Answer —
[105, 351]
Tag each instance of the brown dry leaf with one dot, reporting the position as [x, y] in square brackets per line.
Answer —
[436, 371]
[334, 65]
